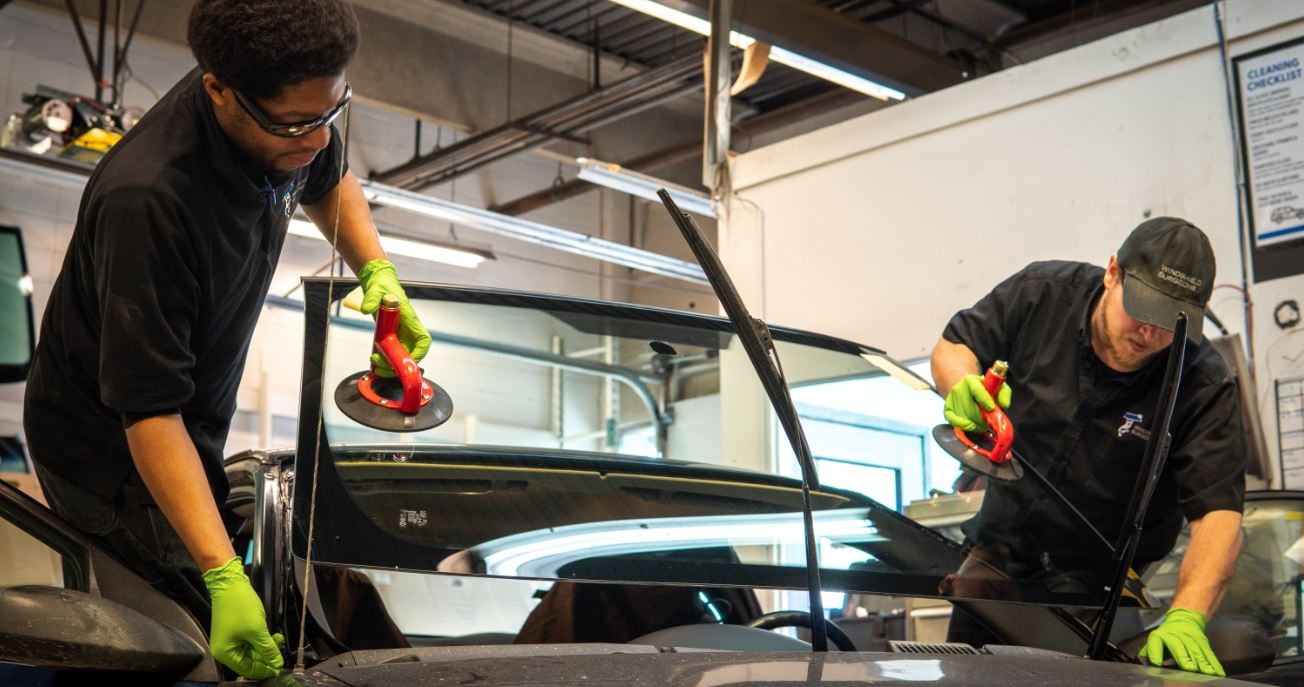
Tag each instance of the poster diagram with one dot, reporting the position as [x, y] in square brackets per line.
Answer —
[1270, 96]
[1272, 93]
[1290, 431]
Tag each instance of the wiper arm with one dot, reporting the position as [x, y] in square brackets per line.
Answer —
[1147, 479]
[759, 344]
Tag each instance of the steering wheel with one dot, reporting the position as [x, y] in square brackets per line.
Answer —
[769, 621]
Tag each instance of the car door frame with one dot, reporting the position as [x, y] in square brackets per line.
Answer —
[90, 569]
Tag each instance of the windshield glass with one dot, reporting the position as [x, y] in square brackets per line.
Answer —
[1268, 588]
[594, 441]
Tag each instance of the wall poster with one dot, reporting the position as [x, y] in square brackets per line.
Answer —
[1270, 102]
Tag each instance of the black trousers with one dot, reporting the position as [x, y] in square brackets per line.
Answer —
[132, 527]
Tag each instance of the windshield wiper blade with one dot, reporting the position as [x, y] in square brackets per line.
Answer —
[759, 344]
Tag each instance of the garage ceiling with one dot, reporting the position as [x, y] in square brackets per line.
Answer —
[917, 46]
[970, 37]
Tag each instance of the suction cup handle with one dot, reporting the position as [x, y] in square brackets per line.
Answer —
[388, 345]
[1001, 429]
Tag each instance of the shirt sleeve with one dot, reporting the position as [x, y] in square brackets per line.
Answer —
[1208, 456]
[324, 172]
[148, 293]
[990, 327]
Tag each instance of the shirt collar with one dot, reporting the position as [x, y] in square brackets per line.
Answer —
[1084, 324]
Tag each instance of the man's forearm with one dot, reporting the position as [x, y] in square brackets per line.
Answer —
[950, 362]
[357, 240]
[1209, 561]
[167, 460]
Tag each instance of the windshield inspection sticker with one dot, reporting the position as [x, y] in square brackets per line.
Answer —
[415, 518]
[1130, 426]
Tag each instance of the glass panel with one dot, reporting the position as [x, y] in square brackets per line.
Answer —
[879, 483]
[452, 606]
[1268, 585]
[15, 309]
[886, 405]
[598, 442]
[25, 560]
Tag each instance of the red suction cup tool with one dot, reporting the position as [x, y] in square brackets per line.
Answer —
[406, 402]
[987, 452]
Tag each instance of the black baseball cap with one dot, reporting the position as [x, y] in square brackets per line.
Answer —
[1168, 267]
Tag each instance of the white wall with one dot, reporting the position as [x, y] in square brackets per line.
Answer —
[39, 46]
[879, 228]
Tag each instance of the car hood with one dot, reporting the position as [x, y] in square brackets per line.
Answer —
[599, 664]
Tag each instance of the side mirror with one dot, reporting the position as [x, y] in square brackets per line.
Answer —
[17, 338]
[63, 628]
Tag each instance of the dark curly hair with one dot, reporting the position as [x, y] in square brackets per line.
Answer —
[259, 47]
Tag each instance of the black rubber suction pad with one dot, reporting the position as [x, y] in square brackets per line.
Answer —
[945, 437]
[350, 400]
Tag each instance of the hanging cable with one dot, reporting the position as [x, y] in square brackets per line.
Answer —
[1219, 19]
[511, 22]
[316, 454]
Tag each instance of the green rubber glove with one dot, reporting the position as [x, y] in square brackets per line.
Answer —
[239, 638]
[968, 394]
[1182, 633]
[378, 277]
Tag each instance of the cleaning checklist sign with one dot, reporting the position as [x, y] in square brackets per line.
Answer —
[1270, 94]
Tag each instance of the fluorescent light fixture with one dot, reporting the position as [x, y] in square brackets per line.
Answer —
[397, 246]
[842, 78]
[613, 176]
[533, 232]
[899, 372]
[71, 174]
[785, 57]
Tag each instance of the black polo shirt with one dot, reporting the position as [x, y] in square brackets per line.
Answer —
[176, 241]
[1084, 426]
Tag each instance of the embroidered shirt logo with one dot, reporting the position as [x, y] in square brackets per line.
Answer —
[1131, 426]
[290, 199]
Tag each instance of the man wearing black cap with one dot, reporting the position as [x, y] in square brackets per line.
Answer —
[1084, 347]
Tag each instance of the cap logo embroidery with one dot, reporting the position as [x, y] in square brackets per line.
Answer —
[1180, 278]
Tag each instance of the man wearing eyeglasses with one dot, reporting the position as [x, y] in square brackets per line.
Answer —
[145, 335]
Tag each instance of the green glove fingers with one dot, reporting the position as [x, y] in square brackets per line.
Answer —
[1003, 395]
[238, 637]
[1182, 634]
[378, 277]
[967, 399]
[411, 332]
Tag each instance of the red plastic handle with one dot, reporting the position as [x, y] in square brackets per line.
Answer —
[387, 345]
[1000, 429]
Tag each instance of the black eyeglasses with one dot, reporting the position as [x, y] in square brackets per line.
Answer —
[293, 129]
